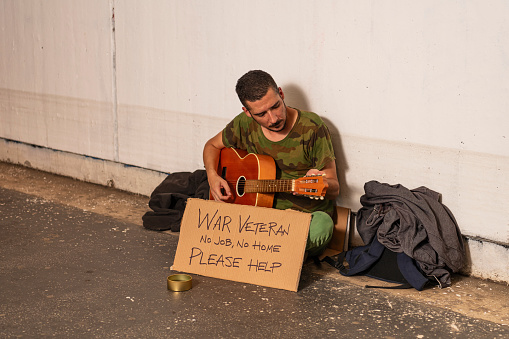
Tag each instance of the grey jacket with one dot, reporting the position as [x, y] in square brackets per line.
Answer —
[414, 222]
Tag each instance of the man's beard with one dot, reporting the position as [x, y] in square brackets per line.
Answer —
[274, 128]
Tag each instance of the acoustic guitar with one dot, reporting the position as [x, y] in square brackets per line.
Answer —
[251, 178]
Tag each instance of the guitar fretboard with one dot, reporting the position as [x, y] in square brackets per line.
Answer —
[269, 186]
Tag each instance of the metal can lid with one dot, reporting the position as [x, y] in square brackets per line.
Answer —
[180, 282]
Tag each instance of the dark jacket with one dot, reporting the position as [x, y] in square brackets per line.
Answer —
[168, 200]
[414, 222]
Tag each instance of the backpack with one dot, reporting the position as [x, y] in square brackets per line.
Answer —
[376, 261]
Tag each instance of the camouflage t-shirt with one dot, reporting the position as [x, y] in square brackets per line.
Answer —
[307, 146]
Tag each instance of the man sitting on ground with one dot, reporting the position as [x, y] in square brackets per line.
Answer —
[299, 142]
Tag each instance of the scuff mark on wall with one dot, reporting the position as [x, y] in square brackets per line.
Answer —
[114, 82]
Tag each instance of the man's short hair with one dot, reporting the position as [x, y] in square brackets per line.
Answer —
[253, 86]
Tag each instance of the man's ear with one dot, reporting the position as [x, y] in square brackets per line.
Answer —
[281, 94]
[247, 112]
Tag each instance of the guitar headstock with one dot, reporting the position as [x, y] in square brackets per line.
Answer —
[314, 186]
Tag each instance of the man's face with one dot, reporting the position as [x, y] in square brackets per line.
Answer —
[270, 111]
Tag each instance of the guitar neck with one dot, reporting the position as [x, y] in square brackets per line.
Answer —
[269, 186]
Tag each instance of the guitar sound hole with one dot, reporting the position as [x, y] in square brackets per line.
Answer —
[241, 184]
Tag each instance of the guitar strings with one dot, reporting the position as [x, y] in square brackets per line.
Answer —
[264, 185]
[267, 185]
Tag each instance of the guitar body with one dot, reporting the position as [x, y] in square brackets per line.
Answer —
[251, 178]
[236, 165]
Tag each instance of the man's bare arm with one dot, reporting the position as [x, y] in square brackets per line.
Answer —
[211, 153]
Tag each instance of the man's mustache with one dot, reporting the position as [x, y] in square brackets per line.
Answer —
[276, 123]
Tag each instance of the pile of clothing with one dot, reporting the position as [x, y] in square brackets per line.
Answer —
[414, 222]
[168, 200]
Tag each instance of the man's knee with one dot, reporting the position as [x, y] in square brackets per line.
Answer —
[320, 232]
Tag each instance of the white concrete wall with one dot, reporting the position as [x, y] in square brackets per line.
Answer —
[56, 75]
[414, 92]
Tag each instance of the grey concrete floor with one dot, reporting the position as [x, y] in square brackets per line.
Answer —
[76, 262]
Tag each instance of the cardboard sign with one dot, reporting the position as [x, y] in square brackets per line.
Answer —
[256, 245]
